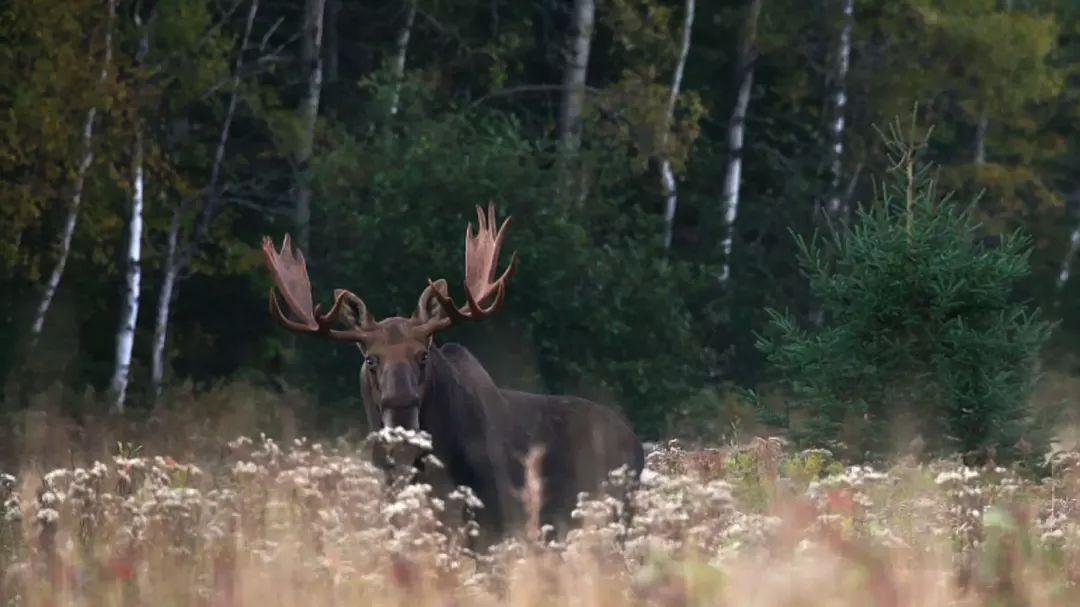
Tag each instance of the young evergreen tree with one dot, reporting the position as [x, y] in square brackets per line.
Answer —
[922, 334]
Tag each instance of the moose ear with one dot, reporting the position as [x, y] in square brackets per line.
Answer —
[429, 307]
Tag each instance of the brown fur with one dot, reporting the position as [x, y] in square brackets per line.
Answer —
[483, 434]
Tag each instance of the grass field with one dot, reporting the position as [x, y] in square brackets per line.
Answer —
[254, 522]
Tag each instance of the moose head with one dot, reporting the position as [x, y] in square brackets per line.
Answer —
[396, 349]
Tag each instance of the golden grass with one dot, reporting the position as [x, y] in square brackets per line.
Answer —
[264, 524]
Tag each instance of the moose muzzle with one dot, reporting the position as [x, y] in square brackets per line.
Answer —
[400, 402]
[406, 417]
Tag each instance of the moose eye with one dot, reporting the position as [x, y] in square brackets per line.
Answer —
[423, 359]
[371, 362]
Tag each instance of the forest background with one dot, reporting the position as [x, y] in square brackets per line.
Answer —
[659, 159]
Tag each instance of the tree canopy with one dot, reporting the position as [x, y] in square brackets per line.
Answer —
[425, 108]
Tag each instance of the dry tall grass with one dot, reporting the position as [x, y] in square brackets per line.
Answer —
[316, 524]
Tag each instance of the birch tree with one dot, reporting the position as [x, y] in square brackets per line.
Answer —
[86, 158]
[1070, 256]
[575, 72]
[575, 75]
[129, 309]
[176, 259]
[1071, 250]
[836, 205]
[311, 60]
[983, 124]
[401, 49]
[744, 76]
[667, 174]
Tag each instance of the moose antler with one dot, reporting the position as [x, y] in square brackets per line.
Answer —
[481, 263]
[289, 272]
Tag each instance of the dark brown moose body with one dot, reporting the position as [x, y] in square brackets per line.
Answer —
[481, 433]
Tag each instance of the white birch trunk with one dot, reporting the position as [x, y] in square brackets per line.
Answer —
[572, 105]
[736, 138]
[86, 148]
[979, 157]
[175, 260]
[129, 310]
[667, 174]
[1067, 261]
[575, 74]
[401, 49]
[164, 304]
[836, 204]
[129, 314]
[311, 56]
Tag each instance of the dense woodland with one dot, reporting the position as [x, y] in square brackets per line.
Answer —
[662, 159]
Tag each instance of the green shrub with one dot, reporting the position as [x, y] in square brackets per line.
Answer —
[920, 334]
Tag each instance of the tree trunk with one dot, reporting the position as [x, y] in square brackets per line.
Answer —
[176, 260]
[837, 206]
[311, 57]
[129, 310]
[125, 335]
[980, 139]
[575, 73]
[572, 107]
[165, 298]
[1067, 261]
[1066, 264]
[401, 49]
[736, 136]
[86, 154]
[667, 174]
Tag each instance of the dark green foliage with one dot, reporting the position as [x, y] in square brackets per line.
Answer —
[599, 308]
[591, 310]
[921, 334]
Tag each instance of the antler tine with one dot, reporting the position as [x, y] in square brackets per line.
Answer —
[289, 272]
[481, 265]
[448, 305]
[285, 321]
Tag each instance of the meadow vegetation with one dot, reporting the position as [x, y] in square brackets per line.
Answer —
[290, 521]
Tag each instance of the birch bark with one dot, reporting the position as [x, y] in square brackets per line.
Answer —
[572, 104]
[177, 260]
[667, 174]
[129, 309]
[1070, 255]
[737, 135]
[401, 49]
[311, 57]
[979, 156]
[129, 315]
[575, 74]
[836, 205]
[86, 155]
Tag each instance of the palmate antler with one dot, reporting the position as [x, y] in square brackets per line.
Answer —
[484, 293]
[481, 263]
[289, 272]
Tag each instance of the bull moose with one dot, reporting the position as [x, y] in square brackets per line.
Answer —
[480, 432]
